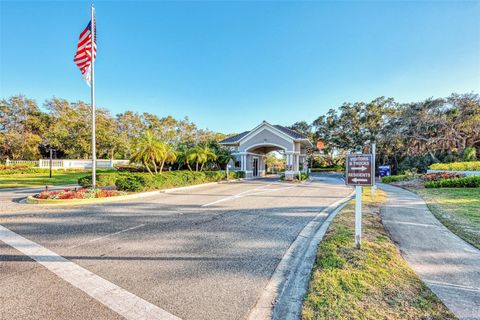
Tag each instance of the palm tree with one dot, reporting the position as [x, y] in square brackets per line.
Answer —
[200, 155]
[167, 155]
[147, 150]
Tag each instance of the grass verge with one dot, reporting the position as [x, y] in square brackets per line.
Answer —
[59, 177]
[457, 208]
[372, 283]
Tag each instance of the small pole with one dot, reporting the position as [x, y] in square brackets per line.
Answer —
[50, 162]
[374, 187]
[358, 212]
[358, 216]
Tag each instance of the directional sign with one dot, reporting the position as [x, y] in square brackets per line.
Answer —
[360, 169]
[384, 170]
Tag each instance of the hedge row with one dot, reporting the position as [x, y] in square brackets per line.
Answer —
[326, 169]
[467, 182]
[400, 177]
[457, 166]
[138, 182]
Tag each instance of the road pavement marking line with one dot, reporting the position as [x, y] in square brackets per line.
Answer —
[107, 236]
[247, 193]
[238, 195]
[117, 299]
[445, 284]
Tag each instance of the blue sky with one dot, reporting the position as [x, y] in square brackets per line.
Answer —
[229, 65]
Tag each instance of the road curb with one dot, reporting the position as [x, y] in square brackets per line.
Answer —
[282, 298]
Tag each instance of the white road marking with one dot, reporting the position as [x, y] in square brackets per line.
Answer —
[247, 193]
[117, 299]
[445, 284]
[106, 236]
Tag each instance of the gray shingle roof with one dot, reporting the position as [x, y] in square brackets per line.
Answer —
[234, 138]
[291, 133]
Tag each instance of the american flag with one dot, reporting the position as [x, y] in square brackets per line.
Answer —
[83, 56]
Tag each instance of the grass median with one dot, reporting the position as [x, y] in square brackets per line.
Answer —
[59, 177]
[372, 283]
[457, 208]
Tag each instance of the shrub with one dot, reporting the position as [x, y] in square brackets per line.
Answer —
[133, 183]
[302, 176]
[400, 177]
[136, 182]
[103, 180]
[467, 182]
[436, 176]
[130, 168]
[470, 154]
[457, 166]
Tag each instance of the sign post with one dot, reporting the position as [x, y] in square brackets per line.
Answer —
[360, 172]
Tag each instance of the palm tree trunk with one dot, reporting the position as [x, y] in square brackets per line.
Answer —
[161, 166]
[196, 166]
[155, 166]
[148, 169]
[201, 167]
[188, 165]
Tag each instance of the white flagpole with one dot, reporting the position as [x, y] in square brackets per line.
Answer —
[92, 83]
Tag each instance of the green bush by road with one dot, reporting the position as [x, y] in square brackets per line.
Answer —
[467, 182]
[390, 179]
[138, 181]
[372, 283]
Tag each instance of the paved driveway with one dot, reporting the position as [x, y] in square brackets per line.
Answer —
[201, 253]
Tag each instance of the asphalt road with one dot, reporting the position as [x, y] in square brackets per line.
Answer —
[202, 253]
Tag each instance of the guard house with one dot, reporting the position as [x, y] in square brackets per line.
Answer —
[250, 148]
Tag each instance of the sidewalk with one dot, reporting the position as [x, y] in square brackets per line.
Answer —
[449, 266]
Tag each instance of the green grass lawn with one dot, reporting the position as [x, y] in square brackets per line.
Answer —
[59, 177]
[457, 208]
[372, 283]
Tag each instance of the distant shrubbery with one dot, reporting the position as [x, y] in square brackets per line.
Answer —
[458, 166]
[137, 182]
[467, 182]
[302, 176]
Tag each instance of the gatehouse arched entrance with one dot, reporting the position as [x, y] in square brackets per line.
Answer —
[251, 147]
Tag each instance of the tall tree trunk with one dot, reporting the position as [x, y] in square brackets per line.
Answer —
[155, 166]
[196, 166]
[201, 167]
[188, 165]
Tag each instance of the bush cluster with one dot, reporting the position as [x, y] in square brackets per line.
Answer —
[457, 166]
[103, 180]
[467, 182]
[436, 176]
[140, 181]
[302, 176]
[397, 178]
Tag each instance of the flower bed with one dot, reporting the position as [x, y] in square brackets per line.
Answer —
[436, 176]
[75, 193]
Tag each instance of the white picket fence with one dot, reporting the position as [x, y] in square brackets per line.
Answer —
[69, 163]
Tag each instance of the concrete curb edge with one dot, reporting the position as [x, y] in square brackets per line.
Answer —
[289, 282]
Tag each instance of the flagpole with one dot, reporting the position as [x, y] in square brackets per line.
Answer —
[92, 79]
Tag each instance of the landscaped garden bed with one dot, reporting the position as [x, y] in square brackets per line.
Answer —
[78, 193]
